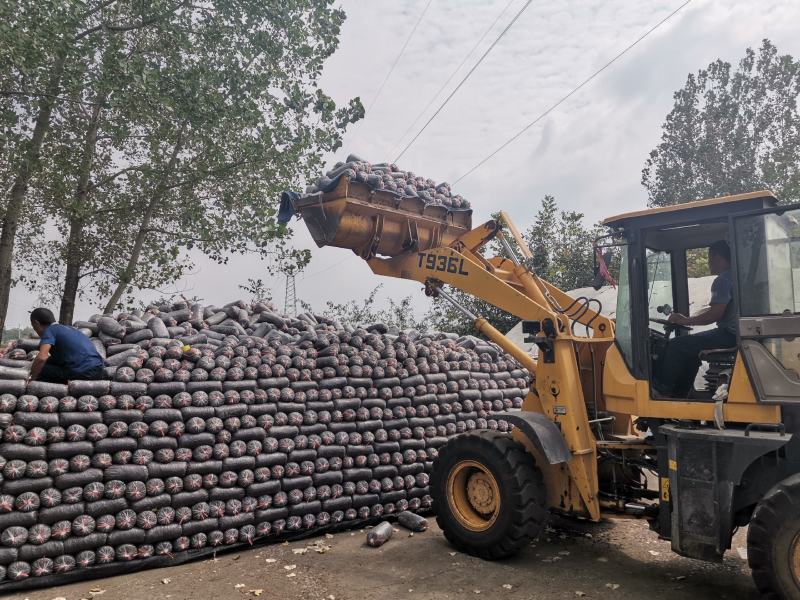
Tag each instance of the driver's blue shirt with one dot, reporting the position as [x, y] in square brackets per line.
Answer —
[722, 293]
[70, 349]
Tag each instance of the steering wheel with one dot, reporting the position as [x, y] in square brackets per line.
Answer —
[669, 327]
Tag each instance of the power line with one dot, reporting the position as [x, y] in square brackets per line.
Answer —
[450, 78]
[400, 54]
[573, 91]
[463, 81]
[371, 104]
[326, 269]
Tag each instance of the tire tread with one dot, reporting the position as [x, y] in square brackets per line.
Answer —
[528, 511]
[776, 507]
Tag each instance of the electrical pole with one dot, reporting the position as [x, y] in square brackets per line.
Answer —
[290, 297]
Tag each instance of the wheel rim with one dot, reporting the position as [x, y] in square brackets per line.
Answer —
[473, 495]
[794, 559]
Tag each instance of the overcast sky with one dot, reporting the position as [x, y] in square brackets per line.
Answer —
[588, 153]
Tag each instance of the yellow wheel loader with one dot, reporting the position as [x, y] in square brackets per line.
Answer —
[595, 438]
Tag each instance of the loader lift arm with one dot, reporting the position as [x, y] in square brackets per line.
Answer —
[511, 286]
[406, 238]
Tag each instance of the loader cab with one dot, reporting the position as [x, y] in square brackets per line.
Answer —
[664, 269]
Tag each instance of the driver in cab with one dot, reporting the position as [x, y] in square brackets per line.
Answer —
[681, 360]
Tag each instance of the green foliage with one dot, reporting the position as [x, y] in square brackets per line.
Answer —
[366, 312]
[258, 290]
[37, 41]
[178, 134]
[731, 131]
[561, 245]
[697, 262]
[31, 33]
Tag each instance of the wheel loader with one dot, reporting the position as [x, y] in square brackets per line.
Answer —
[595, 438]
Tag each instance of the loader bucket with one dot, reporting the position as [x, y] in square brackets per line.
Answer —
[377, 222]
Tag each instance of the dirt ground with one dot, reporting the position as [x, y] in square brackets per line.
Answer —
[615, 560]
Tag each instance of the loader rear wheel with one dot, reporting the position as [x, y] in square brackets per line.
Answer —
[773, 541]
[488, 494]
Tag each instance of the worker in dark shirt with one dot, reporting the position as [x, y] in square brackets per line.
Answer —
[681, 361]
[64, 352]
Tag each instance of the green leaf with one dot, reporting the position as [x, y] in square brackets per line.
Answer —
[731, 130]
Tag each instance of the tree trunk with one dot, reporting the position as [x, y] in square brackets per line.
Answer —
[78, 209]
[73, 275]
[127, 274]
[26, 169]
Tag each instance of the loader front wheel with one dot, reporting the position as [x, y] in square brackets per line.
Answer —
[488, 494]
[773, 542]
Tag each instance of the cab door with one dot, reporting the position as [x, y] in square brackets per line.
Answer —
[767, 271]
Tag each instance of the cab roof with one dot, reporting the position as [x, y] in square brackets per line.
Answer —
[694, 211]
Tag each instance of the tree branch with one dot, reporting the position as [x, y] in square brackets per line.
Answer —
[161, 188]
[97, 9]
[95, 271]
[131, 26]
[45, 95]
[101, 211]
[217, 171]
[182, 236]
[113, 176]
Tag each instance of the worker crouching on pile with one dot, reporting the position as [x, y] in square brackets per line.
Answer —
[64, 352]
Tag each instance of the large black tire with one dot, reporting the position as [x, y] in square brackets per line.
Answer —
[773, 541]
[519, 513]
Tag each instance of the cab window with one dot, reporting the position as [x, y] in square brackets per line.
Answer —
[768, 269]
[659, 284]
[768, 263]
